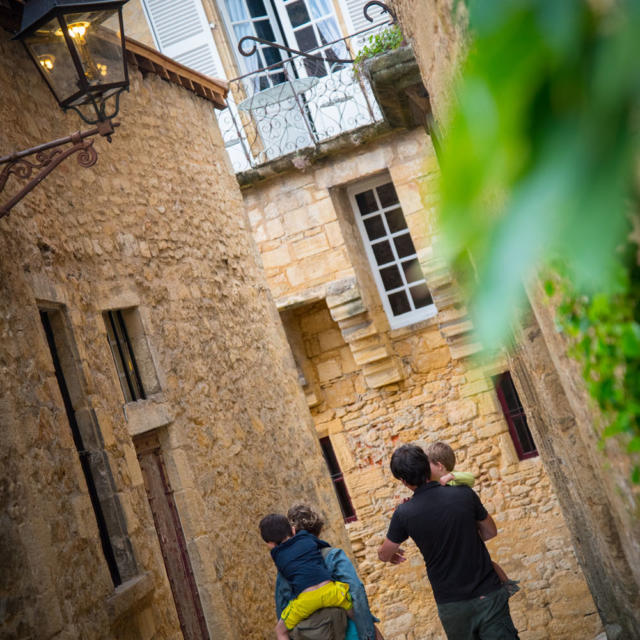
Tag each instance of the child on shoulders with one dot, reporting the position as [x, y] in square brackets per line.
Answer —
[442, 461]
[299, 559]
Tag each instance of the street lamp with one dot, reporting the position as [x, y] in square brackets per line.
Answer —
[79, 49]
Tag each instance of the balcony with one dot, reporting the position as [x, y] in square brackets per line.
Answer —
[298, 103]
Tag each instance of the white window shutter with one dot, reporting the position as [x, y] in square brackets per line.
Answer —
[181, 31]
[353, 13]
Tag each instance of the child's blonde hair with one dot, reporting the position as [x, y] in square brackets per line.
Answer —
[443, 453]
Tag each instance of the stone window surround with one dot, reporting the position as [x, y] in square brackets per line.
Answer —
[138, 587]
[90, 431]
[395, 322]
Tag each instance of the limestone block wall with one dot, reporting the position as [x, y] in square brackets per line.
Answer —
[157, 225]
[437, 34]
[370, 389]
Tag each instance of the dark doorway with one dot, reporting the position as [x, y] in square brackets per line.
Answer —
[171, 537]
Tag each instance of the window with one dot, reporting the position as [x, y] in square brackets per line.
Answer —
[131, 354]
[87, 438]
[256, 18]
[313, 24]
[339, 485]
[515, 416]
[300, 24]
[392, 255]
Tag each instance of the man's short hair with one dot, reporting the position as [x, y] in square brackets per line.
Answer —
[411, 464]
[443, 453]
[275, 528]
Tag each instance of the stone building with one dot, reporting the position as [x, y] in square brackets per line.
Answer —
[598, 501]
[130, 495]
[342, 211]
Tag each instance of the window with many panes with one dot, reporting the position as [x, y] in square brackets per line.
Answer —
[299, 24]
[257, 18]
[313, 24]
[391, 252]
[348, 512]
[515, 416]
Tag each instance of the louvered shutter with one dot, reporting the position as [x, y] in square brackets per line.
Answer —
[181, 31]
[353, 12]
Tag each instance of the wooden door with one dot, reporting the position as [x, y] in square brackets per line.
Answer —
[171, 537]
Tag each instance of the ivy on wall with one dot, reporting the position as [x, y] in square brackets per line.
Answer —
[386, 40]
[604, 329]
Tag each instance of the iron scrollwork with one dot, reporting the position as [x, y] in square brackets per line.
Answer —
[289, 50]
[46, 158]
[377, 3]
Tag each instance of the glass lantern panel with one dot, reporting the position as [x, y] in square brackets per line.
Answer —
[99, 47]
[49, 50]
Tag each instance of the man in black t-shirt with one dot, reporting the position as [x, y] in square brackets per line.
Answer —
[449, 525]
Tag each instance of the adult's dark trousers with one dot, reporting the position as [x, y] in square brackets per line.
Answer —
[483, 618]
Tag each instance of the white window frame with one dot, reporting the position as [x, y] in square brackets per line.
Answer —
[410, 317]
[229, 24]
[290, 31]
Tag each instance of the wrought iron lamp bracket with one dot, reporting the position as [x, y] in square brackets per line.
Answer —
[47, 157]
[100, 107]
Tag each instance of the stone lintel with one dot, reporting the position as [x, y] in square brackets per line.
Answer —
[312, 400]
[129, 595]
[359, 331]
[147, 415]
[370, 354]
[347, 310]
[367, 347]
[382, 373]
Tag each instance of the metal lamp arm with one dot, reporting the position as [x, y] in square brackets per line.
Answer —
[47, 157]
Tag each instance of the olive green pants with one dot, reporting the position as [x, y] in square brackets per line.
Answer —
[483, 618]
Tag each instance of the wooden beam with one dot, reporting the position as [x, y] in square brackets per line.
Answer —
[151, 60]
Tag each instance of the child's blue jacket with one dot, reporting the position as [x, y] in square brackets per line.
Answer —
[340, 568]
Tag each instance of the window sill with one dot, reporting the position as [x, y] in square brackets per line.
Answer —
[128, 595]
[401, 332]
[146, 415]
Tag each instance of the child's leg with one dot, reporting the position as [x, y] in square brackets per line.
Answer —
[510, 585]
[281, 630]
[501, 574]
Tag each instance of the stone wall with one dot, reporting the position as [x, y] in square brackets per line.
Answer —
[437, 31]
[371, 388]
[156, 225]
[593, 485]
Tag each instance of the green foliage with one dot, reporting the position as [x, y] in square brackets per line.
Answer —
[538, 157]
[538, 165]
[378, 43]
[605, 333]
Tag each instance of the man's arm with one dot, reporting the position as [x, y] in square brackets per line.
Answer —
[486, 528]
[391, 552]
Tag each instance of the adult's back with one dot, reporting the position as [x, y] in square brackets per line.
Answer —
[443, 522]
[449, 525]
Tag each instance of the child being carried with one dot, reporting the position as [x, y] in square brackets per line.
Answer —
[442, 461]
[298, 558]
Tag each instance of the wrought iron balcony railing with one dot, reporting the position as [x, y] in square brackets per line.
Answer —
[297, 103]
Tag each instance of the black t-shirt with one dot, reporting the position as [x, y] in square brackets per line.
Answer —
[442, 521]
